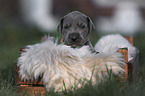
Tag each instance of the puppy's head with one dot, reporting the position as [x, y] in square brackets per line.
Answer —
[75, 28]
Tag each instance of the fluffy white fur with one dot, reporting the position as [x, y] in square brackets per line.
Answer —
[59, 64]
[114, 42]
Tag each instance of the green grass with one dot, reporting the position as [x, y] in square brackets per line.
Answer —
[14, 37]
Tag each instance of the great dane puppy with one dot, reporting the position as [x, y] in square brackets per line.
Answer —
[75, 28]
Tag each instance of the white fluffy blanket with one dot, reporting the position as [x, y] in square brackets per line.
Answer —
[60, 66]
[113, 42]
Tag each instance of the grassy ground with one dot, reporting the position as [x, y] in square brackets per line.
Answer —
[12, 38]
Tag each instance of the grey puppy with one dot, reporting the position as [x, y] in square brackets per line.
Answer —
[75, 28]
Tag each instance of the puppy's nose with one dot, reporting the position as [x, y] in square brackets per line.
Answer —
[74, 36]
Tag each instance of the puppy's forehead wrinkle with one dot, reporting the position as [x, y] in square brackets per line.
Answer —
[75, 20]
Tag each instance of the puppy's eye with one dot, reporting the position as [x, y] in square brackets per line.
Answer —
[81, 25]
[66, 26]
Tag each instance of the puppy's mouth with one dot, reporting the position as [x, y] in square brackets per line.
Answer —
[74, 45]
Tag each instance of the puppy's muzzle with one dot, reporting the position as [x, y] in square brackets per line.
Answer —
[75, 38]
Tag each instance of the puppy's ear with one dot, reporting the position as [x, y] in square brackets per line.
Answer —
[90, 25]
[60, 25]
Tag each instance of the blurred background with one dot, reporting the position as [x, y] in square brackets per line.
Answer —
[126, 16]
[24, 22]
